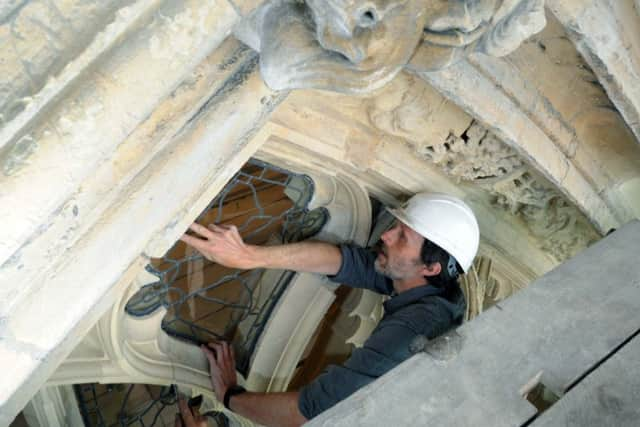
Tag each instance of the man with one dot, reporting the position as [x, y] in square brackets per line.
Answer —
[435, 237]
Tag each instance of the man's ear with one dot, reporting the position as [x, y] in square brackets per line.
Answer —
[432, 269]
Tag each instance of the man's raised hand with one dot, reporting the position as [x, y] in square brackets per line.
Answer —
[189, 417]
[222, 367]
[222, 244]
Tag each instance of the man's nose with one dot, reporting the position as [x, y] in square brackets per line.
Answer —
[387, 236]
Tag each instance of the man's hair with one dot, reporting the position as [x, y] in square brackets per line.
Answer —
[432, 253]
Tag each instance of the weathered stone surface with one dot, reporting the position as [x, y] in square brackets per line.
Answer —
[551, 81]
[358, 46]
[467, 151]
[39, 38]
[484, 98]
[492, 279]
[606, 33]
[553, 332]
[69, 141]
[80, 272]
[111, 88]
[606, 397]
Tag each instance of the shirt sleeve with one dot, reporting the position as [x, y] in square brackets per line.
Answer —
[386, 348]
[358, 271]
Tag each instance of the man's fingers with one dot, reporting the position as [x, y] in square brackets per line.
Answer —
[201, 230]
[194, 242]
[187, 416]
[219, 354]
[195, 411]
[211, 357]
[209, 354]
[178, 421]
[206, 350]
[227, 351]
[217, 228]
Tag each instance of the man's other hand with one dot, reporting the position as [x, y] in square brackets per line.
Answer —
[190, 416]
[222, 367]
[222, 244]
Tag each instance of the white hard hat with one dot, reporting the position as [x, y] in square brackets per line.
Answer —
[446, 221]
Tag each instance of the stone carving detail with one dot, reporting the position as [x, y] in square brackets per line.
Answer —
[411, 109]
[355, 46]
[479, 156]
[561, 229]
[439, 131]
[490, 281]
[476, 154]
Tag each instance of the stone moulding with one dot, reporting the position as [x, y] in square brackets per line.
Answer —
[116, 207]
[124, 348]
[54, 406]
[91, 146]
[358, 46]
[308, 296]
[494, 276]
[613, 55]
[472, 153]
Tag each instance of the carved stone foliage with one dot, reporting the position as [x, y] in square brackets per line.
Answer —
[479, 156]
[476, 154]
[562, 230]
[355, 46]
[409, 110]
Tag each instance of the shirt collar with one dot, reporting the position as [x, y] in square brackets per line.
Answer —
[410, 296]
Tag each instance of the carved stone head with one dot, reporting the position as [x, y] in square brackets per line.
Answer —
[376, 38]
[355, 46]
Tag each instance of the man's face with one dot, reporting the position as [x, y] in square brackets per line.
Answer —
[399, 256]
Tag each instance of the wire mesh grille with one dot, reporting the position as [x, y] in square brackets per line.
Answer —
[139, 405]
[207, 301]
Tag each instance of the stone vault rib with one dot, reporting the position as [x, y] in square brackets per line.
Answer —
[606, 34]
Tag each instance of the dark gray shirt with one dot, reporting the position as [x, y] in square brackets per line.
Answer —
[418, 311]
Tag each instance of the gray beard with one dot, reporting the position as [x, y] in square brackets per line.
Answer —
[384, 270]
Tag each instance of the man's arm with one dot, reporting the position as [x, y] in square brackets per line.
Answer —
[269, 409]
[224, 245]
